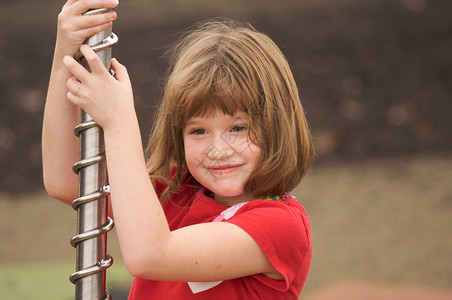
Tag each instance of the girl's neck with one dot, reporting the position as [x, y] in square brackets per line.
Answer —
[230, 201]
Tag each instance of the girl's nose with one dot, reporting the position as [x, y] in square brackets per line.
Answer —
[219, 150]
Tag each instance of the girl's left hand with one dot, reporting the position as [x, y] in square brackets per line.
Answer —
[105, 98]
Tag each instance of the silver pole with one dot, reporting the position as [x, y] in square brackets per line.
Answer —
[93, 222]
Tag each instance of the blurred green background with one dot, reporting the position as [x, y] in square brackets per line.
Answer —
[375, 80]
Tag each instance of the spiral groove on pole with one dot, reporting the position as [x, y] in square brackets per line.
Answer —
[93, 222]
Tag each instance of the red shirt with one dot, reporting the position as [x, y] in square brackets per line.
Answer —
[280, 227]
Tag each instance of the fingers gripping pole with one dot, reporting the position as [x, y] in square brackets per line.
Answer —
[93, 222]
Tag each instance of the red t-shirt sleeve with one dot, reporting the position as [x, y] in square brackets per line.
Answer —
[282, 230]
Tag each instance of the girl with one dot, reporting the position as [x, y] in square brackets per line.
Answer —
[208, 215]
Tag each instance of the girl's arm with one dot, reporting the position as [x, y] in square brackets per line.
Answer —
[59, 144]
[204, 252]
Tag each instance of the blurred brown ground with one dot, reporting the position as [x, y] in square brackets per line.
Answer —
[380, 226]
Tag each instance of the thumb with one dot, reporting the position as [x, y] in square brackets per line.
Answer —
[120, 70]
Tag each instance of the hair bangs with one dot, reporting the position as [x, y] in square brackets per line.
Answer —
[218, 89]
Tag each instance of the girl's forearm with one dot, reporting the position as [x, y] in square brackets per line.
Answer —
[140, 221]
[59, 144]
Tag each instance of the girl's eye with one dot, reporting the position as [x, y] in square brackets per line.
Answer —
[198, 131]
[238, 128]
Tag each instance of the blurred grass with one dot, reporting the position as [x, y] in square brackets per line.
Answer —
[36, 281]
[50, 280]
[386, 220]
[36, 258]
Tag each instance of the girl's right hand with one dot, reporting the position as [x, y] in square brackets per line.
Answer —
[74, 28]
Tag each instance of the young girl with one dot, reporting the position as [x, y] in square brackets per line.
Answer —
[208, 215]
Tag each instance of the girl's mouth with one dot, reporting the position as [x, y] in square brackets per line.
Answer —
[224, 169]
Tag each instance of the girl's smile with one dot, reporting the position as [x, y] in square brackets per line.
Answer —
[220, 155]
[224, 169]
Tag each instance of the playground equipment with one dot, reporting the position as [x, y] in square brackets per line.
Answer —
[93, 222]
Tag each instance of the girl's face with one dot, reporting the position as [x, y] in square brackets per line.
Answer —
[219, 154]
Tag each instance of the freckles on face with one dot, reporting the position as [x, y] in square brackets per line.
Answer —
[218, 152]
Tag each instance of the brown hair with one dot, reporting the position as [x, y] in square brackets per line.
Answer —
[230, 66]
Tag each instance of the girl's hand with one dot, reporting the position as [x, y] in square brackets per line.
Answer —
[74, 28]
[107, 99]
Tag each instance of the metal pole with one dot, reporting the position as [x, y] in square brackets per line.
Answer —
[93, 222]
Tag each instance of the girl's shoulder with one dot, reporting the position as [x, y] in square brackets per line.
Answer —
[283, 204]
[275, 214]
[282, 230]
